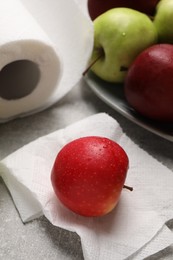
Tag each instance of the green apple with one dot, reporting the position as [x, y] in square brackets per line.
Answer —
[120, 34]
[163, 21]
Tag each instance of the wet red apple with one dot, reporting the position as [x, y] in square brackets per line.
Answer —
[97, 7]
[88, 175]
[149, 83]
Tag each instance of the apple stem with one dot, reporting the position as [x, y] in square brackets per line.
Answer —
[128, 187]
[90, 65]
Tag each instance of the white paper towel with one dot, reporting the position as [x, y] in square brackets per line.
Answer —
[30, 67]
[69, 27]
[44, 48]
[135, 228]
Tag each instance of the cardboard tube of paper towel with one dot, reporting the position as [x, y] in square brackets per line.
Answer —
[30, 67]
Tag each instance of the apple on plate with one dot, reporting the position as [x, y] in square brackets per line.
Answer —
[88, 175]
[97, 7]
[120, 34]
[163, 21]
[149, 83]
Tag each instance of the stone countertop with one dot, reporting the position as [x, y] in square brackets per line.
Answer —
[39, 239]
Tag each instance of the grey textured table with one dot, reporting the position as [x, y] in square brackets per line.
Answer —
[39, 239]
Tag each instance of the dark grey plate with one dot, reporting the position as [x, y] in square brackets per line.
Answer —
[113, 95]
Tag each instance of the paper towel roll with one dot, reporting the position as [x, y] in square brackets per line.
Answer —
[36, 37]
[70, 28]
[30, 67]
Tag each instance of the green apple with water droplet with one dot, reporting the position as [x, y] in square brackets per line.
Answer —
[120, 34]
[163, 21]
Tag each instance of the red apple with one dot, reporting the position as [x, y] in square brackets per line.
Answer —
[97, 7]
[149, 83]
[88, 175]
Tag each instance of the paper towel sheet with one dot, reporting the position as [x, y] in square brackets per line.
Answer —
[129, 229]
[56, 36]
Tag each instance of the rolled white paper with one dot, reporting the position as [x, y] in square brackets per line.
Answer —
[71, 29]
[30, 66]
[44, 48]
